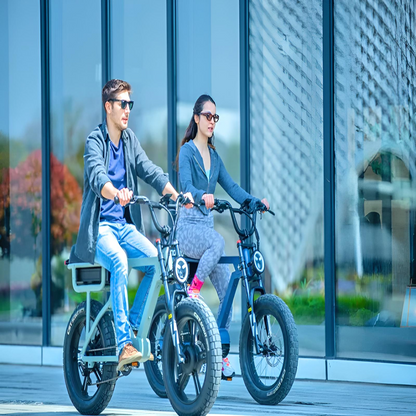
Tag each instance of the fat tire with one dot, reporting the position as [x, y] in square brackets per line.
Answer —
[95, 404]
[153, 372]
[270, 395]
[189, 308]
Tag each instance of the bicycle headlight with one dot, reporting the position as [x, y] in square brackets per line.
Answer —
[181, 270]
[258, 262]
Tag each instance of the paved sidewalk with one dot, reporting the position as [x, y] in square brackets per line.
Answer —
[41, 391]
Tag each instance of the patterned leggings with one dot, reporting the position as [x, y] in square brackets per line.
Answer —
[198, 240]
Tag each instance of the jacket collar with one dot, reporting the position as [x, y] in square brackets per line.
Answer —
[104, 131]
[199, 157]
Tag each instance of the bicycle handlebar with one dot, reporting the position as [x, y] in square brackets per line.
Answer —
[165, 230]
[221, 205]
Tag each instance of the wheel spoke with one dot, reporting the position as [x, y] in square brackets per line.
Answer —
[97, 374]
[85, 385]
[197, 383]
[183, 381]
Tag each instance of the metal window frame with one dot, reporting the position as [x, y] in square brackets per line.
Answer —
[171, 7]
[105, 44]
[329, 177]
[46, 174]
[244, 96]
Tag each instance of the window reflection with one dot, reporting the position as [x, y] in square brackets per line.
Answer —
[286, 160]
[375, 161]
[20, 174]
[208, 63]
[144, 66]
[75, 68]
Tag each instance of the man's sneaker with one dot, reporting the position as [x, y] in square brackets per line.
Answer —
[227, 370]
[151, 358]
[128, 355]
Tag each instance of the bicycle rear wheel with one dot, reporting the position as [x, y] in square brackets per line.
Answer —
[192, 386]
[88, 397]
[269, 376]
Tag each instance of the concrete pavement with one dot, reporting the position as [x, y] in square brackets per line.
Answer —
[40, 390]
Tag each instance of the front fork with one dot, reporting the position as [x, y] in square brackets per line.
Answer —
[250, 301]
[170, 303]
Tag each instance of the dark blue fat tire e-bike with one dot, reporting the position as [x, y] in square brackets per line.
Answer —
[192, 345]
[268, 348]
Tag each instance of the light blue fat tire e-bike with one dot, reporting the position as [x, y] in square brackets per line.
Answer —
[192, 345]
[268, 348]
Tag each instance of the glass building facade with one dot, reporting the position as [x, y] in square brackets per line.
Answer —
[316, 99]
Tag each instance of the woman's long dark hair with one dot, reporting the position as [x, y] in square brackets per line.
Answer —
[192, 128]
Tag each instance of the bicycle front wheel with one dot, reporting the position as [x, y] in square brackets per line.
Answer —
[192, 386]
[269, 375]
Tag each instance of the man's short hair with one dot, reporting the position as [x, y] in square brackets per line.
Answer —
[114, 87]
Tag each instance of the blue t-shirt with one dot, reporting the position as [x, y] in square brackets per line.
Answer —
[117, 175]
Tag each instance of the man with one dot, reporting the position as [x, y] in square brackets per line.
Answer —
[110, 233]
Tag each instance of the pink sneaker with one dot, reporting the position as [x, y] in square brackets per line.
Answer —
[195, 288]
[227, 369]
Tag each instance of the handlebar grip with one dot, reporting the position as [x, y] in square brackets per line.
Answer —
[116, 200]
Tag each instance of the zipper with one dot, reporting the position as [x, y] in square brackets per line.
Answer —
[205, 174]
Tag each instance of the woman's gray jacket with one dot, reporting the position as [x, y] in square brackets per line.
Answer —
[96, 160]
[193, 178]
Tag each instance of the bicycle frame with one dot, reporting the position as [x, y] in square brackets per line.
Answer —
[240, 272]
[140, 341]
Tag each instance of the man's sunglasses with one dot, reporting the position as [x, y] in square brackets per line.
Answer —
[123, 103]
[210, 116]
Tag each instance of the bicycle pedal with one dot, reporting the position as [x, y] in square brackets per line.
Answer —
[223, 377]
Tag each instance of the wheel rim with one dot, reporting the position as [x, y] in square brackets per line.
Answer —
[156, 342]
[86, 377]
[189, 377]
[267, 366]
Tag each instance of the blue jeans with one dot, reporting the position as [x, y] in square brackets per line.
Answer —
[117, 242]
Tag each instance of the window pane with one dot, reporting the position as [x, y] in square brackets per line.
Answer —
[208, 63]
[75, 68]
[286, 157]
[375, 164]
[20, 174]
[143, 64]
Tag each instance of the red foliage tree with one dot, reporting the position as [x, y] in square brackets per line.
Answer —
[21, 198]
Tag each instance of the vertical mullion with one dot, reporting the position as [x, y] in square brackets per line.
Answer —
[46, 196]
[105, 43]
[329, 176]
[244, 97]
[172, 88]
[244, 116]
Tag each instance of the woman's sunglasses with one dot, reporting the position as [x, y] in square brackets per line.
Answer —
[123, 103]
[210, 116]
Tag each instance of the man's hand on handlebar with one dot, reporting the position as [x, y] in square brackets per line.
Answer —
[209, 200]
[124, 196]
[189, 196]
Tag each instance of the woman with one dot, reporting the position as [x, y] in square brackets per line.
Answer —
[200, 168]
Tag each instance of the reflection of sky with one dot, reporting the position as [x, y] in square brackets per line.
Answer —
[138, 47]
[208, 60]
[20, 76]
[75, 56]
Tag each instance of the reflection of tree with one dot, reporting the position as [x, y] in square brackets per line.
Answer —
[21, 195]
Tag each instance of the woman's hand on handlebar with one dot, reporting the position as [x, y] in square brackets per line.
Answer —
[209, 200]
[265, 202]
[124, 196]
